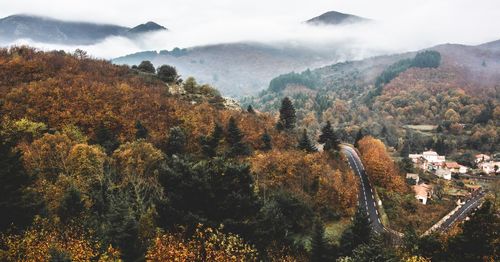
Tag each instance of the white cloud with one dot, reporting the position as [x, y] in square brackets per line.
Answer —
[401, 25]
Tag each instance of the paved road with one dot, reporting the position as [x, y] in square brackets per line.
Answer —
[366, 197]
[462, 213]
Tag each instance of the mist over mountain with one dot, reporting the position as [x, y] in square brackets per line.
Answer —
[336, 18]
[49, 30]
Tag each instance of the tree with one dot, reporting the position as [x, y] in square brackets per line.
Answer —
[359, 136]
[106, 138]
[168, 74]
[357, 234]
[17, 204]
[71, 205]
[266, 141]
[177, 141]
[146, 66]
[374, 251]
[57, 255]
[141, 131]
[329, 138]
[250, 109]
[234, 138]
[305, 143]
[287, 115]
[210, 143]
[318, 243]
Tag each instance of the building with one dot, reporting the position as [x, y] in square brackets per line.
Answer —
[489, 167]
[482, 158]
[428, 160]
[455, 168]
[414, 177]
[422, 192]
[444, 173]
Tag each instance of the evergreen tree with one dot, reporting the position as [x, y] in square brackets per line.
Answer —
[359, 232]
[266, 141]
[411, 241]
[358, 137]
[210, 143]
[168, 74]
[329, 138]
[106, 138]
[440, 146]
[71, 205]
[250, 109]
[374, 251]
[318, 243]
[17, 205]
[234, 138]
[176, 142]
[56, 255]
[287, 115]
[479, 238]
[141, 132]
[146, 66]
[305, 143]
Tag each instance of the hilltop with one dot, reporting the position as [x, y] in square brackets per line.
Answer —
[336, 18]
[49, 30]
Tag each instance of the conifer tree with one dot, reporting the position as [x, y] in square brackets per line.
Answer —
[210, 143]
[358, 233]
[176, 141]
[359, 136]
[106, 138]
[266, 141]
[234, 138]
[329, 138]
[287, 115]
[71, 205]
[305, 143]
[141, 132]
[318, 243]
[250, 109]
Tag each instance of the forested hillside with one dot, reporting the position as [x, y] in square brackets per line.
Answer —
[100, 162]
[451, 90]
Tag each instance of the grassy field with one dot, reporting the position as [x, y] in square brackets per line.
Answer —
[423, 128]
[333, 230]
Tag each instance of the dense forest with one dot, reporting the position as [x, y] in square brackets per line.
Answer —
[100, 162]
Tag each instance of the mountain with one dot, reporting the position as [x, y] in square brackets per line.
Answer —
[49, 30]
[336, 18]
[459, 91]
[236, 69]
[147, 27]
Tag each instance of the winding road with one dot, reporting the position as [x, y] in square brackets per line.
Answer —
[367, 200]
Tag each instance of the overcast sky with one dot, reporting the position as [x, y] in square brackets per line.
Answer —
[402, 24]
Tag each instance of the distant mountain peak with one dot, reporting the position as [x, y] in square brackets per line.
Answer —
[336, 18]
[147, 27]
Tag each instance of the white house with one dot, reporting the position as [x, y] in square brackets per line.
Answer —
[415, 177]
[444, 173]
[482, 158]
[455, 168]
[490, 167]
[422, 192]
[428, 160]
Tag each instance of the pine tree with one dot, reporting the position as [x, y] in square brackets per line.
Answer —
[71, 205]
[305, 143]
[106, 138]
[358, 233]
[17, 205]
[374, 251]
[234, 138]
[440, 146]
[359, 136]
[141, 132]
[287, 115]
[329, 138]
[266, 141]
[210, 143]
[176, 142]
[318, 243]
[250, 109]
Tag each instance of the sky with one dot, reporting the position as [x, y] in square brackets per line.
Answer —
[401, 25]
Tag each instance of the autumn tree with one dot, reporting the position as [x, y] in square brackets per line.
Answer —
[305, 143]
[329, 138]
[287, 117]
[146, 66]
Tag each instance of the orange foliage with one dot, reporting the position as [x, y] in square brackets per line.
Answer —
[380, 166]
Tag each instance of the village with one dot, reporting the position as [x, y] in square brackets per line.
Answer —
[434, 176]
